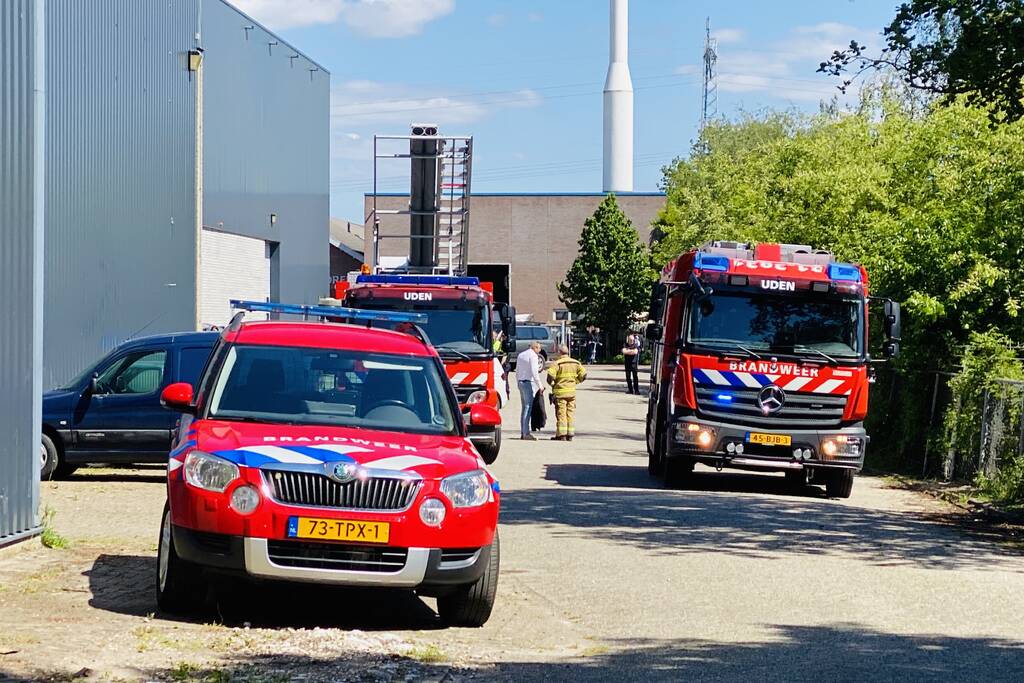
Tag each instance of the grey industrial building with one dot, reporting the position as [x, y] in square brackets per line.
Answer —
[187, 163]
[21, 255]
[523, 242]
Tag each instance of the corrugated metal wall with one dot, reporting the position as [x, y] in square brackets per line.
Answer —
[266, 132]
[120, 224]
[21, 235]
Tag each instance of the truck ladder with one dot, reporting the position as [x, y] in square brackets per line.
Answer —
[449, 212]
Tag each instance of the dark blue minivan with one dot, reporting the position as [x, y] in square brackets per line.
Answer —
[111, 412]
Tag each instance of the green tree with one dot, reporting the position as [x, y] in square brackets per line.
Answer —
[950, 48]
[611, 278]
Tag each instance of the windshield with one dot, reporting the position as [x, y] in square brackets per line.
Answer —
[333, 388]
[456, 327]
[787, 324]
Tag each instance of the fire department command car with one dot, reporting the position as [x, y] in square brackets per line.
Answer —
[329, 453]
[761, 362]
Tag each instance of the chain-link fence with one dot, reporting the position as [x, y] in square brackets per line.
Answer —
[911, 431]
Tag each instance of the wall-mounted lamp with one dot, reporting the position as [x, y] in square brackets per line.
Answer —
[195, 59]
[273, 219]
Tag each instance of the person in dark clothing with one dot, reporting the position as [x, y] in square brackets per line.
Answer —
[631, 357]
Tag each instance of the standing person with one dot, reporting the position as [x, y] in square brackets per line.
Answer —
[563, 376]
[528, 366]
[631, 357]
[592, 343]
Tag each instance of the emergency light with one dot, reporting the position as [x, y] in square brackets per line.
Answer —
[417, 280]
[711, 262]
[330, 311]
[843, 271]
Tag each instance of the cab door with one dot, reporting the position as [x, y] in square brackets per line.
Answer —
[121, 420]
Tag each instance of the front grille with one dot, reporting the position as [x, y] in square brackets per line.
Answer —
[336, 556]
[800, 410]
[463, 391]
[318, 490]
[458, 554]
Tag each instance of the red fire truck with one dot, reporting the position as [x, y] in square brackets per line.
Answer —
[458, 325]
[761, 362]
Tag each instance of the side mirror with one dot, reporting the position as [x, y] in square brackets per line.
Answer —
[892, 321]
[508, 321]
[655, 331]
[178, 397]
[508, 345]
[94, 384]
[482, 415]
[657, 306]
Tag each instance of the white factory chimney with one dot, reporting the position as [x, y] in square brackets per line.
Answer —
[618, 104]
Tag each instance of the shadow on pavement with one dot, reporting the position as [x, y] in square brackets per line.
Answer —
[832, 652]
[125, 584]
[629, 507]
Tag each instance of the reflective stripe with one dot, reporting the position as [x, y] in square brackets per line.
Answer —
[748, 380]
[282, 454]
[828, 386]
[480, 379]
[796, 383]
[459, 377]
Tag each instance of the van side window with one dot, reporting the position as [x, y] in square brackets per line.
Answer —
[190, 364]
[137, 373]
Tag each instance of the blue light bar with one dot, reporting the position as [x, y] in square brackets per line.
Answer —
[844, 271]
[711, 262]
[330, 311]
[417, 280]
[724, 398]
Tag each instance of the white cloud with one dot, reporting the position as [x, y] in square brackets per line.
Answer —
[374, 18]
[361, 108]
[787, 68]
[728, 35]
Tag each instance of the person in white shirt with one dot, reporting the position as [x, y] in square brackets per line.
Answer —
[528, 366]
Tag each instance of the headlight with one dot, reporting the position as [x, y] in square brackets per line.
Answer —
[476, 397]
[468, 489]
[841, 446]
[693, 433]
[209, 472]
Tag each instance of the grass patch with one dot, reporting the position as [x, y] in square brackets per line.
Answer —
[595, 651]
[428, 654]
[50, 537]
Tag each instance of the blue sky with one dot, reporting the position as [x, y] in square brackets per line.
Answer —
[524, 77]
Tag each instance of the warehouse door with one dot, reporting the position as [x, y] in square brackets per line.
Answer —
[233, 267]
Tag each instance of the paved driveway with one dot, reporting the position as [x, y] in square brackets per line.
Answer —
[605, 576]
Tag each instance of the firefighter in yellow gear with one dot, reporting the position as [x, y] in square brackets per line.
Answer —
[563, 376]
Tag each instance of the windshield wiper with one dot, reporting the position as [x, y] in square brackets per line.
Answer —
[830, 359]
[732, 347]
[442, 351]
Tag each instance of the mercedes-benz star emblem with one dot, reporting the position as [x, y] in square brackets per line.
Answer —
[343, 472]
[771, 399]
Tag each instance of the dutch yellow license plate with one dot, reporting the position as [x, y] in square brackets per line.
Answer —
[338, 530]
[769, 439]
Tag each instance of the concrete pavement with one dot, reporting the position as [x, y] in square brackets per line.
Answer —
[607, 575]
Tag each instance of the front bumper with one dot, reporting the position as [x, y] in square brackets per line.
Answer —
[769, 457]
[429, 570]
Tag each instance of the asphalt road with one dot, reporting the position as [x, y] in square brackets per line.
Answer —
[607, 575]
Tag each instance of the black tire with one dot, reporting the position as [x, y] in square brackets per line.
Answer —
[472, 605]
[489, 452]
[839, 484]
[49, 458]
[179, 584]
[655, 455]
[54, 466]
